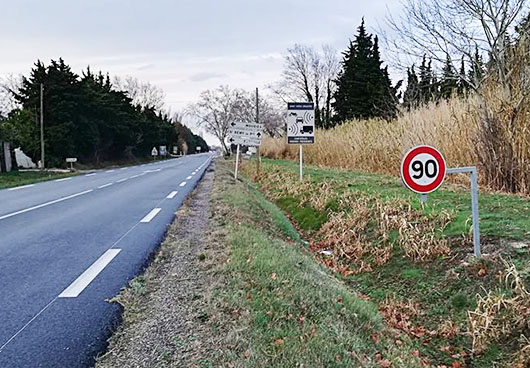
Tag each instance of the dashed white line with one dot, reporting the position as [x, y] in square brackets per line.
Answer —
[188, 178]
[90, 174]
[151, 215]
[183, 183]
[110, 171]
[44, 204]
[172, 195]
[104, 186]
[124, 168]
[23, 187]
[134, 176]
[63, 179]
[89, 275]
[122, 180]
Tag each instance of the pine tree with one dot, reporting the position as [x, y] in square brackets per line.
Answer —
[462, 83]
[449, 83]
[364, 89]
[478, 70]
[411, 97]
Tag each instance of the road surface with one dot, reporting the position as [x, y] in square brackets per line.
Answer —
[66, 246]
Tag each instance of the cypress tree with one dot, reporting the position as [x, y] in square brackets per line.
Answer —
[411, 97]
[449, 83]
[364, 89]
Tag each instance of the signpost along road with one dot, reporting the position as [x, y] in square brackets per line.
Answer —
[301, 126]
[246, 134]
[423, 170]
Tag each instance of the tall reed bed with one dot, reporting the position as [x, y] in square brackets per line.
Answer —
[377, 145]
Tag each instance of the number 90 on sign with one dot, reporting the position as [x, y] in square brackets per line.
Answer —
[423, 169]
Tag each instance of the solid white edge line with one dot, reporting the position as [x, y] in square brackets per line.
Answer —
[182, 184]
[89, 275]
[22, 187]
[110, 171]
[172, 195]
[104, 186]
[44, 204]
[90, 174]
[151, 215]
[124, 168]
[63, 179]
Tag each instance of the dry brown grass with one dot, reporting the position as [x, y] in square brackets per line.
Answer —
[362, 229]
[377, 146]
[501, 314]
[490, 130]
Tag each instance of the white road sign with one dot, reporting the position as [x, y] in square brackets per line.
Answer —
[71, 159]
[154, 152]
[300, 123]
[247, 134]
[163, 151]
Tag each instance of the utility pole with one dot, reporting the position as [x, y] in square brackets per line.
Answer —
[42, 126]
[258, 161]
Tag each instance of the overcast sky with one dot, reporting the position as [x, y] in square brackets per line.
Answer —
[183, 46]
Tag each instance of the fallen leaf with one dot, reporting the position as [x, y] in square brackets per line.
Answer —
[278, 342]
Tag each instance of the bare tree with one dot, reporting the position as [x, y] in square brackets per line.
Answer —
[143, 94]
[9, 86]
[216, 109]
[457, 28]
[308, 75]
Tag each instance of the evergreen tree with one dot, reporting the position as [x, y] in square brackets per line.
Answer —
[411, 97]
[478, 70]
[364, 89]
[449, 83]
[462, 83]
[85, 117]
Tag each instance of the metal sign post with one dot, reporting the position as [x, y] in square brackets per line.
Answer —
[423, 171]
[301, 163]
[474, 203]
[237, 162]
[301, 126]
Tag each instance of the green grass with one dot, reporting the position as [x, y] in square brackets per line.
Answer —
[19, 178]
[445, 288]
[501, 215]
[290, 310]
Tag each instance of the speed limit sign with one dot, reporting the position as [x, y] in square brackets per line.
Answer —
[423, 169]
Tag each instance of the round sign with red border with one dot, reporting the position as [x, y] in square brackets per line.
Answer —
[423, 169]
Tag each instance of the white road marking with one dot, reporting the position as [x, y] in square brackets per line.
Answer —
[151, 215]
[44, 204]
[124, 168]
[106, 185]
[134, 176]
[22, 187]
[183, 183]
[89, 275]
[188, 178]
[122, 180]
[90, 174]
[172, 195]
[63, 179]
[110, 171]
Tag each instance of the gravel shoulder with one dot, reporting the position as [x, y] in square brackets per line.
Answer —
[164, 317]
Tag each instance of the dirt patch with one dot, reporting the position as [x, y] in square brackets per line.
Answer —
[165, 318]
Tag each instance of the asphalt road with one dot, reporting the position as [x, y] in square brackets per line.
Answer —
[66, 246]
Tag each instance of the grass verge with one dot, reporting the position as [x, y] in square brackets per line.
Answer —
[18, 178]
[415, 262]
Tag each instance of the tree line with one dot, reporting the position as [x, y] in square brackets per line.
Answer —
[89, 117]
